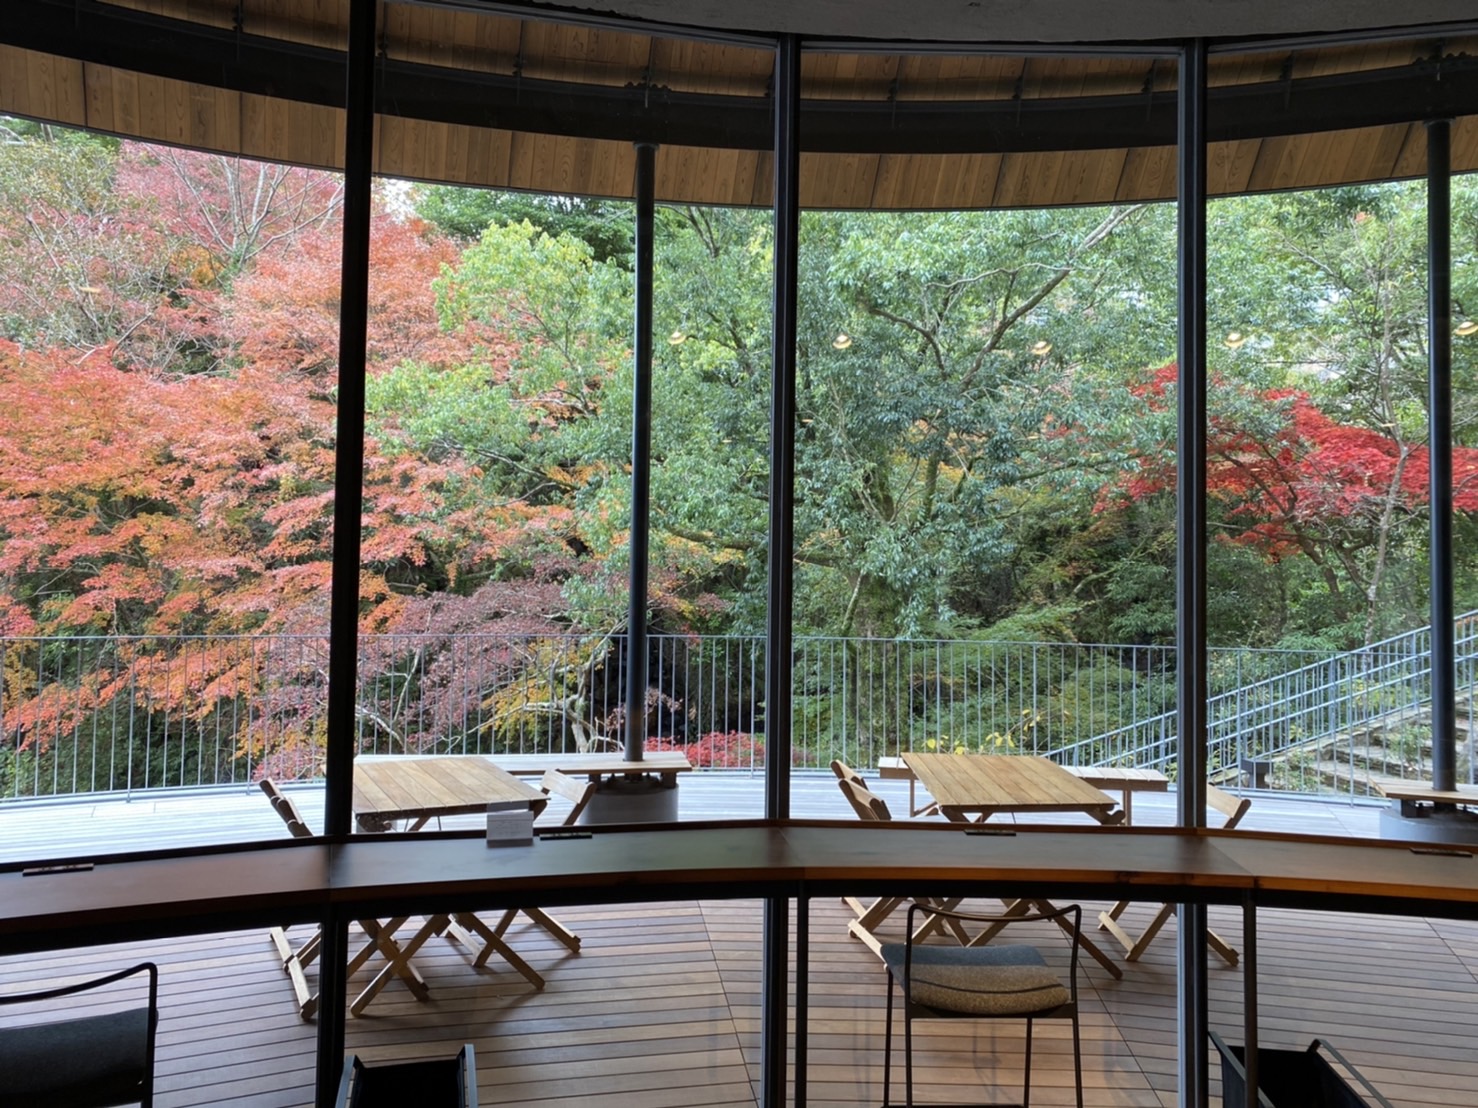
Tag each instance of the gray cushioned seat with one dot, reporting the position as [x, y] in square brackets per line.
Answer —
[1010, 980]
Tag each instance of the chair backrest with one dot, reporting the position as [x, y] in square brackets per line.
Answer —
[1233, 807]
[89, 1060]
[578, 793]
[286, 809]
[866, 803]
[845, 772]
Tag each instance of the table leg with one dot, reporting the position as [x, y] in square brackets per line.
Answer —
[1084, 942]
[400, 964]
[1022, 905]
[382, 941]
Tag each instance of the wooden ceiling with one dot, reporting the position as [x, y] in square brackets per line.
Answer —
[489, 97]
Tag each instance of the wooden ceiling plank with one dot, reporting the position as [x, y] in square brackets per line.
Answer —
[454, 152]
[98, 84]
[125, 102]
[1269, 169]
[763, 182]
[211, 120]
[1412, 160]
[48, 86]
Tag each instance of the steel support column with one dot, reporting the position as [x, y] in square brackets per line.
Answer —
[782, 429]
[343, 672]
[641, 456]
[1190, 554]
[1439, 441]
[1249, 1000]
[781, 543]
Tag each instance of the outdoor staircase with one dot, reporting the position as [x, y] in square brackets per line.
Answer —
[1342, 725]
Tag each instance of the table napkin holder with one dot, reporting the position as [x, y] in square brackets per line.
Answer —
[510, 823]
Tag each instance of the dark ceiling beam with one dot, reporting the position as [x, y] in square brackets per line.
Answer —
[223, 58]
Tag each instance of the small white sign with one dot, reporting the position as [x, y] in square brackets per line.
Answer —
[510, 823]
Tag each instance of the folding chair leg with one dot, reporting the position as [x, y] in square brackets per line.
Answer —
[399, 965]
[552, 925]
[1222, 947]
[871, 915]
[934, 923]
[382, 941]
[1133, 947]
[868, 939]
[464, 922]
[1018, 907]
[309, 950]
[1087, 945]
[544, 920]
[293, 962]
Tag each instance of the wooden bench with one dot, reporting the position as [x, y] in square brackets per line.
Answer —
[1125, 781]
[596, 765]
[896, 769]
[1418, 794]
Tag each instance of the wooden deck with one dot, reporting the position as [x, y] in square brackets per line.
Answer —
[661, 1007]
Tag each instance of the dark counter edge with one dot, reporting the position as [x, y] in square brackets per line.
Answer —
[1436, 894]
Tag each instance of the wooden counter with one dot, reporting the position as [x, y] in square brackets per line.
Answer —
[183, 892]
[229, 888]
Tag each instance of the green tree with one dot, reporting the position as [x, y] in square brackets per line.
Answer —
[607, 226]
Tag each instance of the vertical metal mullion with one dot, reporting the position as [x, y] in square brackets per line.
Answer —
[343, 673]
[1190, 553]
[778, 675]
[779, 632]
[1249, 998]
[1439, 440]
[641, 457]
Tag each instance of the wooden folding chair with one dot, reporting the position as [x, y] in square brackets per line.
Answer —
[1234, 808]
[380, 937]
[464, 925]
[872, 808]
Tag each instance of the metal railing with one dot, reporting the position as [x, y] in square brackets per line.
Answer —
[1335, 724]
[117, 713]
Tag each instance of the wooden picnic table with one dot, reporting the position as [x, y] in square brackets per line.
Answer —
[418, 789]
[970, 788]
[421, 788]
[974, 787]
[1126, 781]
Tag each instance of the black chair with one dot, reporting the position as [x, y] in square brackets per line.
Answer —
[86, 1061]
[440, 1083]
[1000, 981]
